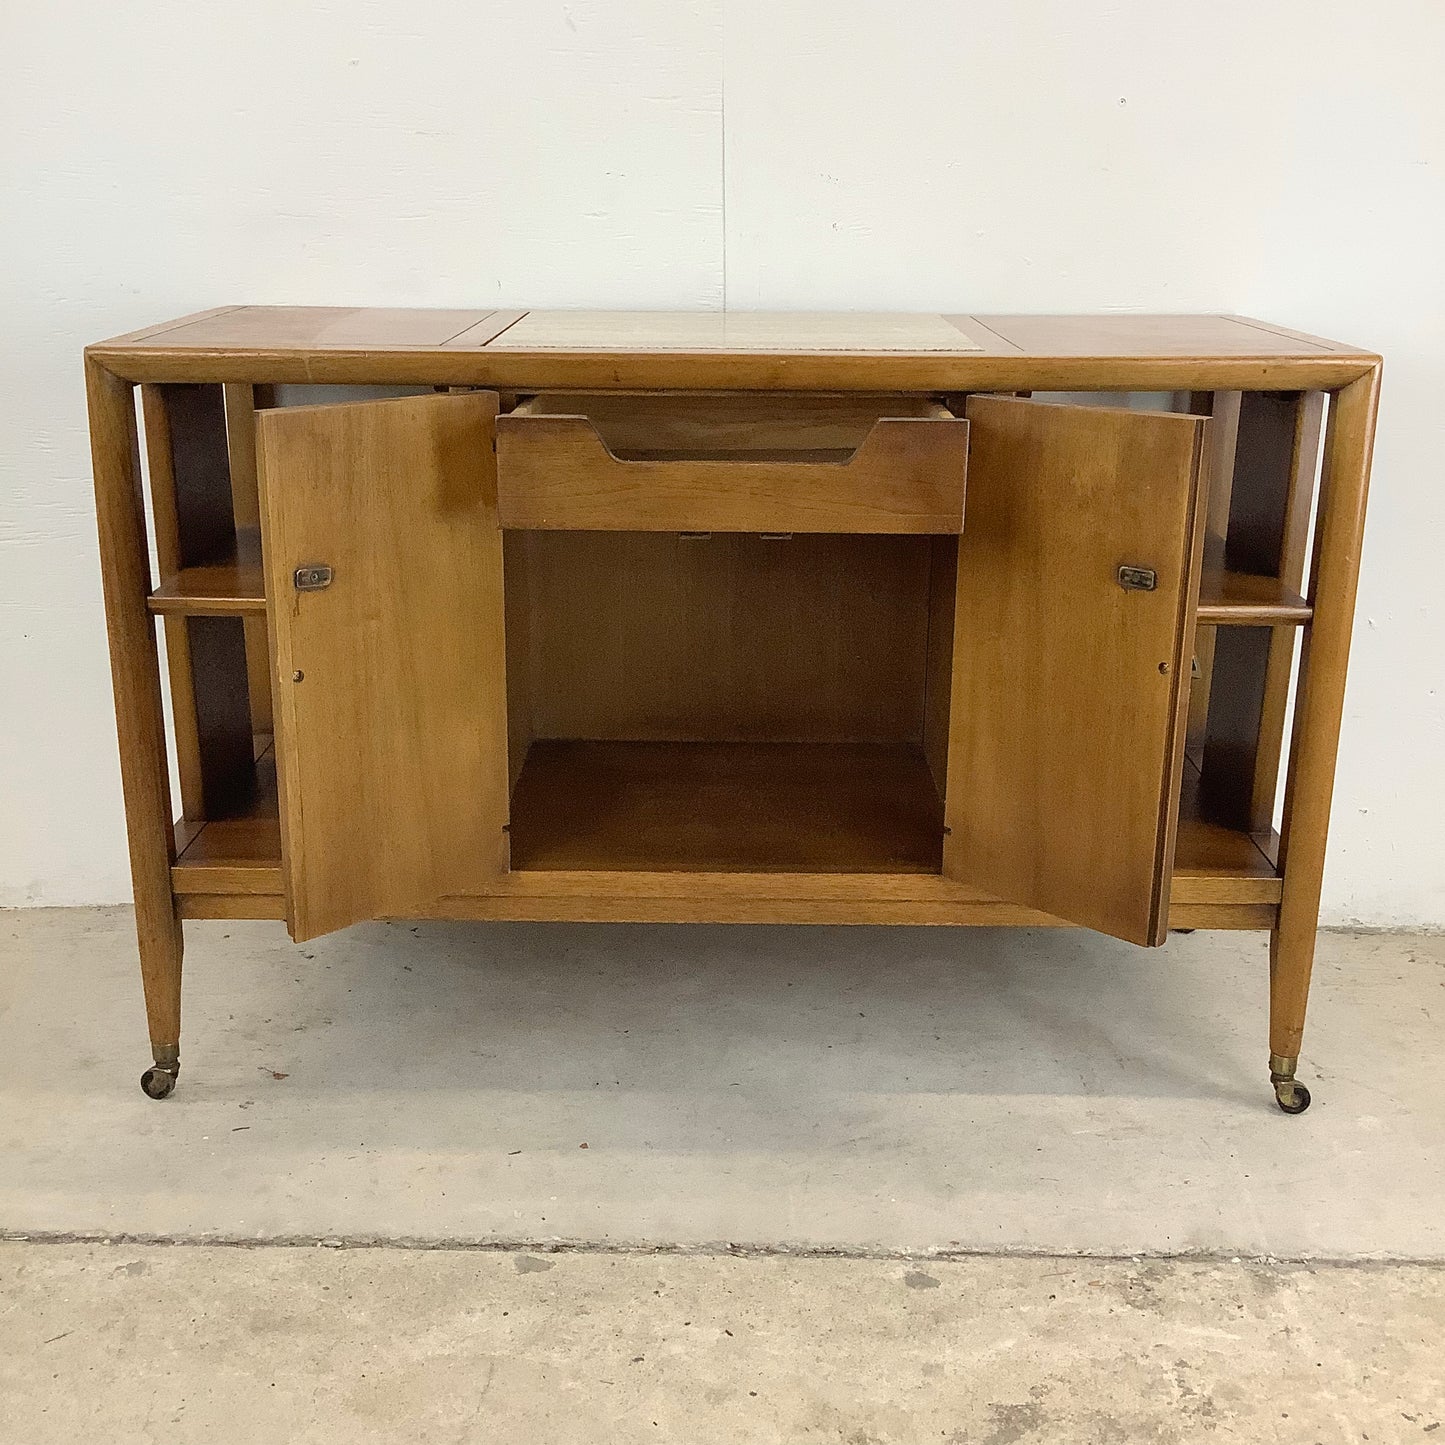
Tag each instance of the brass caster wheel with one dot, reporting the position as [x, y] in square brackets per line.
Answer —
[1290, 1095]
[157, 1083]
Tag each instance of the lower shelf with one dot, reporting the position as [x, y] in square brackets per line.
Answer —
[727, 832]
[238, 855]
[726, 807]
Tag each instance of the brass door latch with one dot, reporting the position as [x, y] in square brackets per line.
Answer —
[313, 578]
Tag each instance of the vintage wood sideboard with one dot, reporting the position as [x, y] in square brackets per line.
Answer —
[835, 618]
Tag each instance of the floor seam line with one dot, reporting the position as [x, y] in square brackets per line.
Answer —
[404, 1244]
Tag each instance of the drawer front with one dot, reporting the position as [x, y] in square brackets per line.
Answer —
[670, 465]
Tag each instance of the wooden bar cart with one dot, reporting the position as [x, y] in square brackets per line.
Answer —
[730, 617]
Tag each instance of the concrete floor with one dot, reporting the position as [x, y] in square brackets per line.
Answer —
[901, 1096]
[860, 1089]
[176, 1344]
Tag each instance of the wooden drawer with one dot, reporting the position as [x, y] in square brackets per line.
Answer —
[728, 463]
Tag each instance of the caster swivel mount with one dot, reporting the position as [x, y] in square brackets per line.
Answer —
[1289, 1093]
[158, 1080]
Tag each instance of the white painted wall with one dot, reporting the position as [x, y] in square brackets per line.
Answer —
[159, 157]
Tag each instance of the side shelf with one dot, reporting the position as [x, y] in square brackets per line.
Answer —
[229, 587]
[1241, 599]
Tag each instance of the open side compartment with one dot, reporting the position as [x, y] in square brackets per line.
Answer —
[1263, 484]
[200, 452]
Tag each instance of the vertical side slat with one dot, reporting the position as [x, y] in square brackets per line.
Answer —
[517, 607]
[242, 401]
[1222, 407]
[165, 510]
[1294, 546]
[938, 666]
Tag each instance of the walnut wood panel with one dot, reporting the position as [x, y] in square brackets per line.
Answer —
[645, 635]
[146, 334]
[1125, 335]
[906, 475]
[391, 711]
[376, 328]
[1069, 691]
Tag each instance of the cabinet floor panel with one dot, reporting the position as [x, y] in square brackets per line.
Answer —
[726, 807]
[241, 854]
[1208, 849]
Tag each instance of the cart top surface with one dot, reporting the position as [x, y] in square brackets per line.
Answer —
[733, 348]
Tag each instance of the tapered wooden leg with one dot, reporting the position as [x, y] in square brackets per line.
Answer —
[140, 725]
[1319, 705]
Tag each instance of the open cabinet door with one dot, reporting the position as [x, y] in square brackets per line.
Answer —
[1074, 628]
[384, 583]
